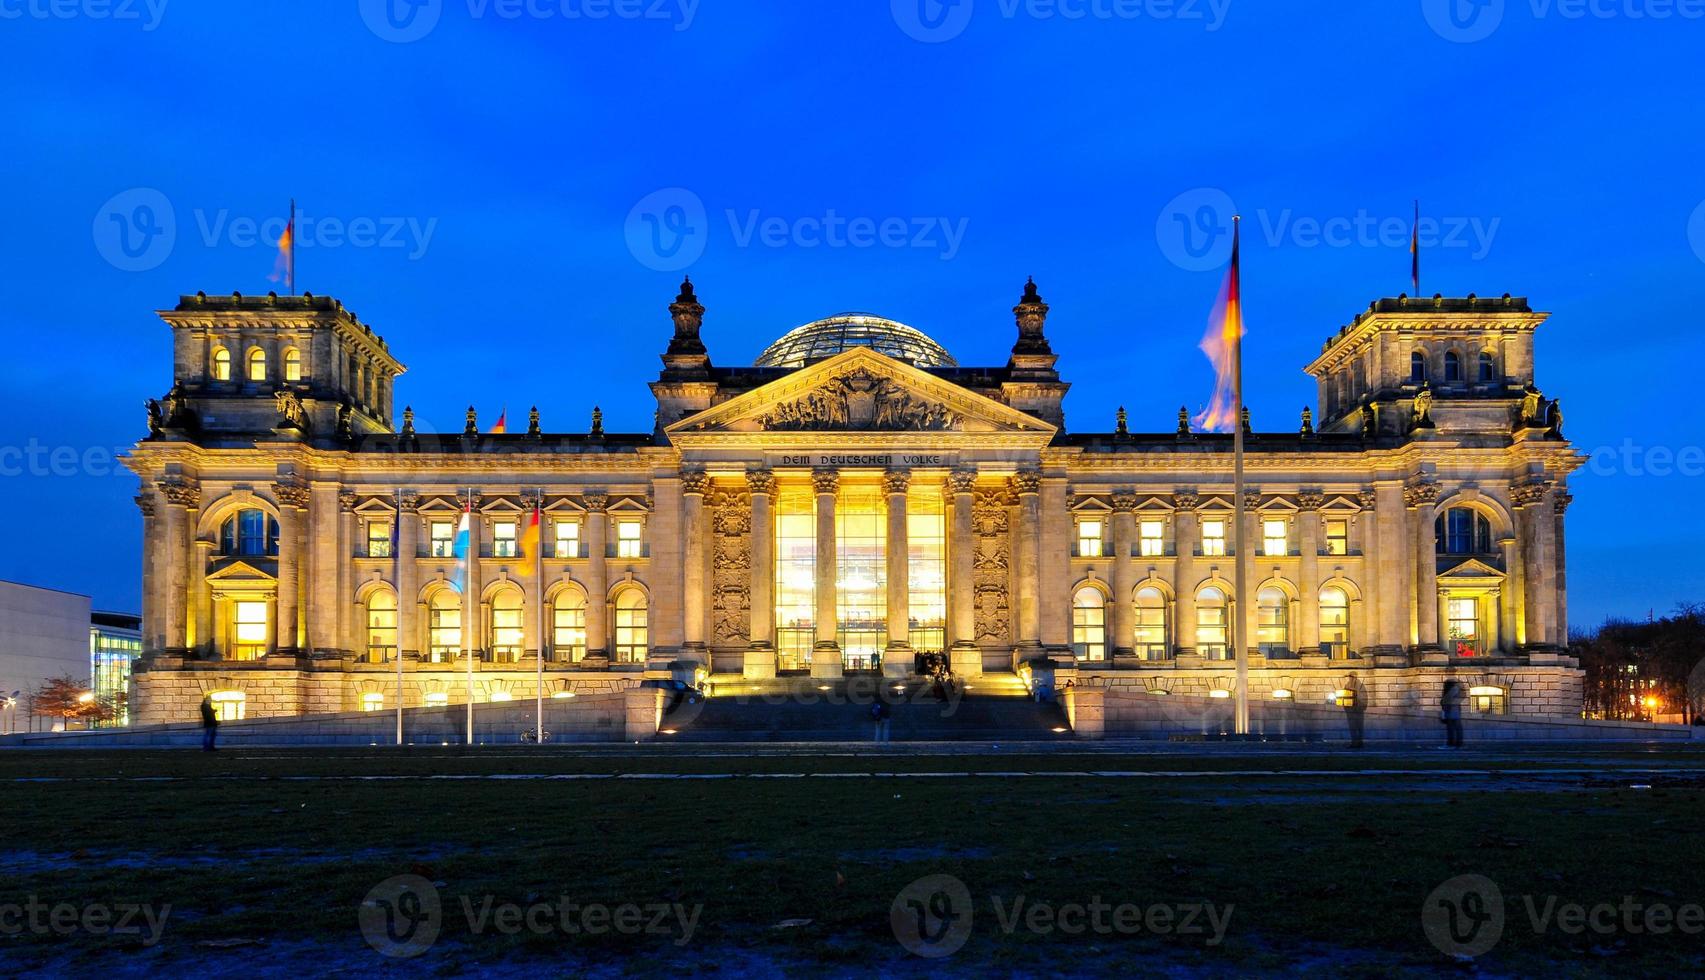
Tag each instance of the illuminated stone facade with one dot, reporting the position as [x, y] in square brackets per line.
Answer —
[849, 513]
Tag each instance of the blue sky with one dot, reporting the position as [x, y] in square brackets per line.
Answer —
[512, 158]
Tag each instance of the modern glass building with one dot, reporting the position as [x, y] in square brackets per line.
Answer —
[115, 641]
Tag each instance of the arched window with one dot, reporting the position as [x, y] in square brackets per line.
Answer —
[505, 639]
[568, 627]
[1453, 366]
[250, 533]
[1151, 624]
[1417, 367]
[257, 364]
[1334, 622]
[631, 632]
[381, 626]
[1273, 621]
[443, 626]
[1462, 531]
[1089, 624]
[1211, 623]
[1488, 367]
[292, 364]
[221, 364]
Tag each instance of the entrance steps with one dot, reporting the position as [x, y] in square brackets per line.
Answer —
[801, 709]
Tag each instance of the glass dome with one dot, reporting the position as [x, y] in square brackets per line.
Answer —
[831, 336]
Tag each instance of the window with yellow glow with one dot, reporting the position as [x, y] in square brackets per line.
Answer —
[229, 705]
[1488, 700]
[926, 569]
[567, 538]
[1089, 624]
[373, 701]
[1211, 623]
[861, 573]
[1090, 538]
[1213, 537]
[1334, 622]
[1273, 538]
[443, 535]
[503, 539]
[1272, 621]
[249, 629]
[381, 626]
[1151, 538]
[292, 364]
[630, 539]
[506, 626]
[568, 627]
[257, 364]
[1151, 624]
[631, 630]
[443, 626]
[1337, 536]
[221, 364]
[1463, 620]
[437, 699]
[378, 539]
[796, 579]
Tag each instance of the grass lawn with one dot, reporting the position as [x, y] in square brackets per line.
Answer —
[265, 857]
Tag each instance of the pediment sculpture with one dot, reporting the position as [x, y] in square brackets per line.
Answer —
[859, 400]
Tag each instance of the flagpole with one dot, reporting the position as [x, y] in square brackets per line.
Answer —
[1415, 251]
[292, 227]
[467, 610]
[538, 537]
[1239, 626]
[396, 581]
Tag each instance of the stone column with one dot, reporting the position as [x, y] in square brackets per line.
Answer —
[1027, 487]
[1053, 566]
[292, 506]
[897, 659]
[1372, 588]
[1561, 498]
[1251, 611]
[1535, 521]
[1422, 499]
[150, 562]
[1511, 628]
[694, 485]
[182, 496]
[324, 560]
[826, 654]
[343, 608]
[597, 579]
[407, 583]
[760, 662]
[473, 607]
[1187, 525]
[1124, 574]
[1308, 570]
[200, 638]
[962, 568]
[529, 571]
[1396, 569]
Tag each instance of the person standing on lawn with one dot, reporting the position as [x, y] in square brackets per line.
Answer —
[1450, 712]
[880, 713]
[209, 725]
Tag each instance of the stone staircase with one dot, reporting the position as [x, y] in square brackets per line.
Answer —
[994, 708]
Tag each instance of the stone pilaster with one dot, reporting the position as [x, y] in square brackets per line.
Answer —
[1561, 498]
[826, 654]
[1422, 499]
[694, 485]
[201, 636]
[473, 608]
[344, 613]
[597, 579]
[408, 535]
[1187, 528]
[1308, 570]
[1027, 488]
[1053, 566]
[897, 658]
[1396, 569]
[292, 510]
[1373, 602]
[963, 652]
[1124, 573]
[1536, 521]
[151, 540]
[182, 498]
[760, 661]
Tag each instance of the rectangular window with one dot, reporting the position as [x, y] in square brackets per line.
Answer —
[568, 631]
[1211, 632]
[630, 539]
[861, 573]
[444, 630]
[1213, 538]
[1089, 539]
[1337, 537]
[506, 633]
[503, 543]
[229, 705]
[796, 579]
[1274, 538]
[1151, 538]
[567, 538]
[248, 623]
[443, 535]
[631, 632]
[1464, 624]
[372, 701]
[378, 539]
[926, 588]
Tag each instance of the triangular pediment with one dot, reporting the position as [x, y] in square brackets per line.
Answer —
[1470, 571]
[863, 393]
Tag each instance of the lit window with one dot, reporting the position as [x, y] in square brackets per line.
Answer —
[257, 364]
[796, 579]
[1089, 624]
[631, 635]
[1463, 621]
[221, 365]
[1272, 623]
[249, 532]
[1151, 624]
[1211, 623]
[1213, 537]
[503, 539]
[926, 583]
[1337, 537]
[1273, 538]
[1462, 531]
[1453, 366]
[378, 539]
[1417, 367]
[1488, 368]
[248, 630]
[1334, 623]
[443, 535]
[381, 626]
[229, 705]
[443, 626]
[1151, 538]
[567, 539]
[630, 541]
[1089, 539]
[568, 627]
[437, 699]
[861, 572]
[292, 364]
[501, 697]
[506, 627]
[1488, 700]
[373, 701]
